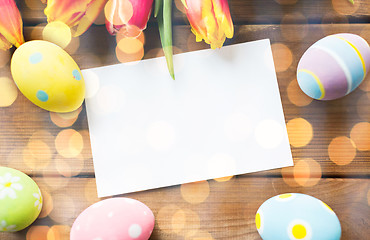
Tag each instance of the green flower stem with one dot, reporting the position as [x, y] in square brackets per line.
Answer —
[165, 30]
[157, 6]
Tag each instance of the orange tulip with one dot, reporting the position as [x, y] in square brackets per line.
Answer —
[11, 25]
[131, 15]
[210, 20]
[78, 14]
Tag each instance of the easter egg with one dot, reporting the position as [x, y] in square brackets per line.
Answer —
[20, 200]
[114, 218]
[48, 76]
[297, 216]
[334, 66]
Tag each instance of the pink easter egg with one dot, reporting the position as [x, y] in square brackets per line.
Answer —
[114, 219]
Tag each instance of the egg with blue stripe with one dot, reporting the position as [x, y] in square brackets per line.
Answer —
[334, 66]
[48, 76]
[297, 216]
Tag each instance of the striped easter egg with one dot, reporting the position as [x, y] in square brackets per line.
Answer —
[334, 66]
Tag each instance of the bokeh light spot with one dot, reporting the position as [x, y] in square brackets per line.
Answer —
[195, 192]
[37, 31]
[92, 83]
[299, 131]
[59, 232]
[294, 26]
[296, 95]
[8, 92]
[345, 7]
[69, 143]
[360, 134]
[37, 233]
[47, 203]
[342, 150]
[269, 134]
[163, 220]
[223, 179]
[64, 208]
[90, 191]
[57, 32]
[126, 57]
[65, 119]
[69, 167]
[121, 35]
[130, 45]
[40, 154]
[283, 56]
[307, 172]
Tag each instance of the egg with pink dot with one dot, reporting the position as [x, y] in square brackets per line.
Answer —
[334, 66]
[115, 218]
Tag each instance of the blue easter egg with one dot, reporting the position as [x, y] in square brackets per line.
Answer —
[298, 217]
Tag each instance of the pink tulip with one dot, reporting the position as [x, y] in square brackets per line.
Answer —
[210, 20]
[11, 25]
[129, 15]
[78, 14]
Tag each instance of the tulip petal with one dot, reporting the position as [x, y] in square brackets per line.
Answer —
[4, 44]
[68, 11]
[92, 12]
[210, 20]
[128, 14]
[11, 24]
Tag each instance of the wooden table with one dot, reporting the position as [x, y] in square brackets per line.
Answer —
[330, 140]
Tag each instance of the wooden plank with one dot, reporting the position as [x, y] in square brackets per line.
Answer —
[223, 210]
[252, 11]
[329, 120]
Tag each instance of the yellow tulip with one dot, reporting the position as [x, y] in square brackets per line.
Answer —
[210, 20]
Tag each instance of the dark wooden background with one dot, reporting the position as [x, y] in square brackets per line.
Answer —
[330, 140]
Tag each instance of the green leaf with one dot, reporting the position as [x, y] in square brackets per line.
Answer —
[157, 6]
[351, 1]
[165, 32]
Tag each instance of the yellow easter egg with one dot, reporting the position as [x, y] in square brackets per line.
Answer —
[48, 76]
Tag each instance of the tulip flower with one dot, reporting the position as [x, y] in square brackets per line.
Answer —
[78, 14]
[210, 20]
[131, 15]
[11, 25]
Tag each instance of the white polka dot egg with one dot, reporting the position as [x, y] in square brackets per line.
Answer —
[48, 76]
[114, 218]
[297, 216]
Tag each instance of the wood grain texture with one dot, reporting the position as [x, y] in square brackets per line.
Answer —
[227, 213]
[222, 210]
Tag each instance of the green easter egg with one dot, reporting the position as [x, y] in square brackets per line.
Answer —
[20, 200]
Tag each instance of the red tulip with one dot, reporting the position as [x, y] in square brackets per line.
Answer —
[129, 15]
[11, 25]
[210, 20]
[79, 14]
